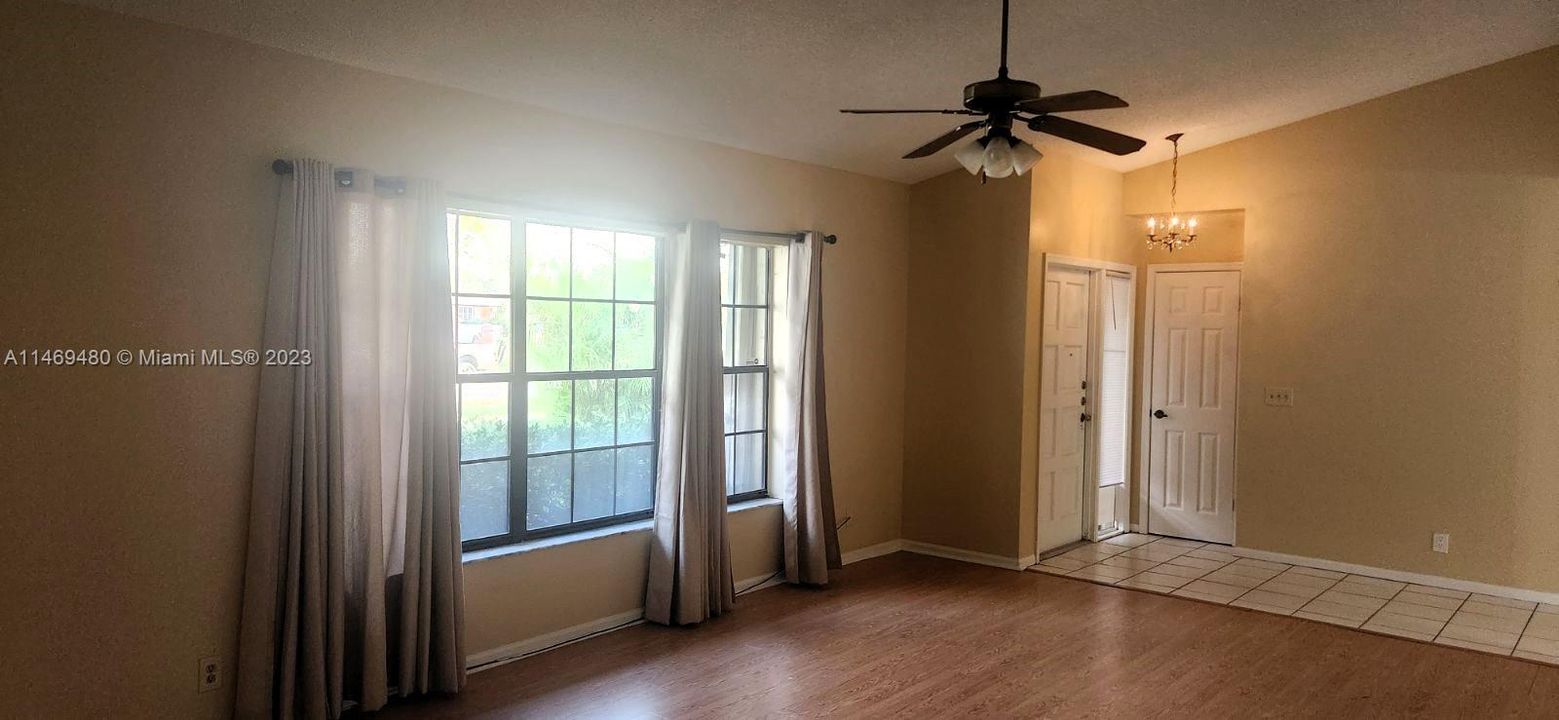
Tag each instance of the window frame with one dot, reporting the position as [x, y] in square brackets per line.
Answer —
[519, 376]
[765, 370]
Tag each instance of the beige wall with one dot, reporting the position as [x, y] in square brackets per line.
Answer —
[528, 594]
[136, 201]
[967, 249]
[976, 281]
[1402, 274]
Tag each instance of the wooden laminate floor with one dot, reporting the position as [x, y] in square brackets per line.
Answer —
[908, 636]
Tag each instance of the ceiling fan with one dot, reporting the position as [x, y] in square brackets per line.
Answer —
[1003, 100]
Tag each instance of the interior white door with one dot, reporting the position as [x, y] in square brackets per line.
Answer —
[1191, 428]
[1063, 377]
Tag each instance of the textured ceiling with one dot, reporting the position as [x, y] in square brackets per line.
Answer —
[769, 76]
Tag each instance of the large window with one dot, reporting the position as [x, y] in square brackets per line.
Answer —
[558, 422]
[746, 284]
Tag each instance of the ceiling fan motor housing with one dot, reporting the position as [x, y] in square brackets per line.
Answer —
[998, 94]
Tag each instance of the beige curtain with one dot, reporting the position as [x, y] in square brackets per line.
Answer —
[806, 484]
[352, 586]
[690, 557]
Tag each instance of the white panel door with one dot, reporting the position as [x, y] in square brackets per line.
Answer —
[1063, 377]
[1191, 429]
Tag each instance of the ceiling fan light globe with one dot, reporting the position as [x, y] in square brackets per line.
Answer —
[971, 156]
[1024, 156]
[998, 158]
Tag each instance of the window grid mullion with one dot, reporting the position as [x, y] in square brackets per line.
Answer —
[768, 357]
[480, 460]
[519, 391]
[573, 385]
[624, 446]
[612, 360]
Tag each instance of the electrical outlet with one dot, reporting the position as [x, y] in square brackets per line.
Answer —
[210, 674]
[1280, 396]
[1442, 543]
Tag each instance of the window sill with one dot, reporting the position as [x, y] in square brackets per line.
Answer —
[754, 504]
[596, 534]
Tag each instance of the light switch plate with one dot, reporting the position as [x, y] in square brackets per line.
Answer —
[1280, 396]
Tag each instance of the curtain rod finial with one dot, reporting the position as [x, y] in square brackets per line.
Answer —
[281, 167]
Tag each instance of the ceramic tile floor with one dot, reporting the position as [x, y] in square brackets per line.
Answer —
[1210, 573]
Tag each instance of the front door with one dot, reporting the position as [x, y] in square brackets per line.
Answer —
[1191, 429]
[1063, 368]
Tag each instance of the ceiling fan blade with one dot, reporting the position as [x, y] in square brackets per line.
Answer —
[947, 138]
[933, 112]
[1085, 134]
[1072, 102]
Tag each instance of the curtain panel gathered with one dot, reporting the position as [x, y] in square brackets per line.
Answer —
[352, 585]
[805, 482]
[690, 576]
[690, 556]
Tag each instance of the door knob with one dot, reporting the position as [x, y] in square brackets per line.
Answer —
[1160, 414]
[1085, 418]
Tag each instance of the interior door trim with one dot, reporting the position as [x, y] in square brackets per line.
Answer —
[1145, 377]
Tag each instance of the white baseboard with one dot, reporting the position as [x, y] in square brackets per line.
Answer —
[504, 654]
[1402, 576]
[871, 551]
[970, 556]
[760, 582]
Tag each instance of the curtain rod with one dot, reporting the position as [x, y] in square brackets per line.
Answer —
[830, 239]
[283, 167]
[344, 177]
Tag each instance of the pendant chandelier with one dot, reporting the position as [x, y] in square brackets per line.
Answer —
[1171, 233]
